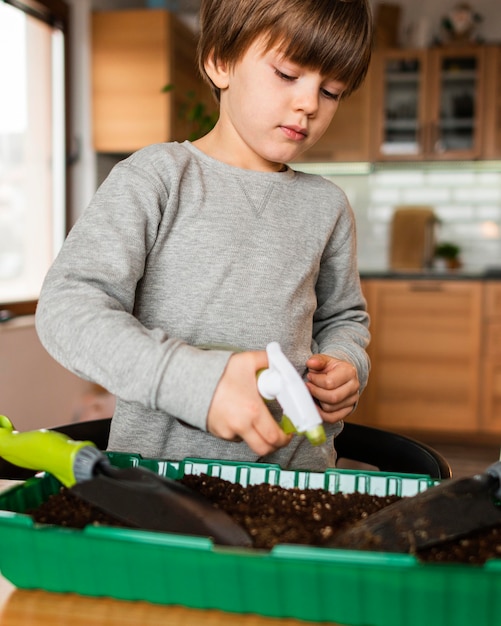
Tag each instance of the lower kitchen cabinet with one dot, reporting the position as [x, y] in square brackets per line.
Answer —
[425, 352]
[491, 363]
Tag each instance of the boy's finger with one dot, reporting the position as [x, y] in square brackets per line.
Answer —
[265, 435]
[316, 362]
[260, 359]
[323, 381]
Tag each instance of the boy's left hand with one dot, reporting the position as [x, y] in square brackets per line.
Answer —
[334, 384]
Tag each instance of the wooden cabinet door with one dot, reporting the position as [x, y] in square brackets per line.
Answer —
[348, 136]
[425, 351]
[491, 362]
[135, 53]
[130, 65]
[492, 104]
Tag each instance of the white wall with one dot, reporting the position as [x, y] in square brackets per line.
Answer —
[35, 391]
[432, 12]
[465, 197]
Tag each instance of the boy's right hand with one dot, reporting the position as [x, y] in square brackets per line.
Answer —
[237, 411]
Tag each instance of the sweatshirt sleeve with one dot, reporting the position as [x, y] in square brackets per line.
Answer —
[85, 315]
[341, 321]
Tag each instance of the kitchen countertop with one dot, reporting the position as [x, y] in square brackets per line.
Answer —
[493, 273]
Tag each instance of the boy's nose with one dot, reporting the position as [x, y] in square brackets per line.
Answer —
[307, 101]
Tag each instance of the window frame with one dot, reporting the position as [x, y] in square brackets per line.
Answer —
[56, 13]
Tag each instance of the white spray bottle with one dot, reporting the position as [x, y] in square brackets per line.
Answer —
[282, 382]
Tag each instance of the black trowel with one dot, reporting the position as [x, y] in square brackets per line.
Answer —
[135, 496]
[450, 510]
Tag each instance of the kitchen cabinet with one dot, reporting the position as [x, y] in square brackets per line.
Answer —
[425, 353]
[348, 136]
[491, 363]
[429, 104]
[492, 104]
[135, 53]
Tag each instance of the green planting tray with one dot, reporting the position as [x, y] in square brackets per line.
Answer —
[309, 583]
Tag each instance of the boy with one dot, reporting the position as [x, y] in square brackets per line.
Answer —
[220, 243]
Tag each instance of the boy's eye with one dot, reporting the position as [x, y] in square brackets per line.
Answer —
[330, 95]
[284, 76]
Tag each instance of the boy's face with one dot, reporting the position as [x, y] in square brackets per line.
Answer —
[272, 110]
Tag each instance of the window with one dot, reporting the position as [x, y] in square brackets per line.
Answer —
[32, 146]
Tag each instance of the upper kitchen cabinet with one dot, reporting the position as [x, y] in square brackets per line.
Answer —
[429, 103]
[348, 136]
[492, 104]
[135, 53]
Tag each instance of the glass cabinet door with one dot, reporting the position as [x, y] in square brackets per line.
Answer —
[455, 95]
[427, 103]
[399, 90]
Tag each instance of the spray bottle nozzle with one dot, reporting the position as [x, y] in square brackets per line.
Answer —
[282, 382]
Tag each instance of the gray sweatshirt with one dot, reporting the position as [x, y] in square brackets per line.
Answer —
[178, 250]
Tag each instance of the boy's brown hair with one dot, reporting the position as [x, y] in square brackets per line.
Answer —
[331, 36]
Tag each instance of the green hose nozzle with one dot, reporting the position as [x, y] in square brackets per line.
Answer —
[50, 451]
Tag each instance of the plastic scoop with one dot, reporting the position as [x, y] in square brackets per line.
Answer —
[447, 511]
[135, 496]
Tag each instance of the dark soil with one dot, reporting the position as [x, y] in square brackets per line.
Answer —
[272, 515]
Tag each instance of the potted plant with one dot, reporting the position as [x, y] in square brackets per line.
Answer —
[449, 252]
[199, 116]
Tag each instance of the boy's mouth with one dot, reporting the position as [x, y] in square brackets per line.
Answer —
[296, 133]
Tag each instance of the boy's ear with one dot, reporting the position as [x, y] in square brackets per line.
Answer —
[218, 72]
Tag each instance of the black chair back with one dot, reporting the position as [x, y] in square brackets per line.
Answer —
[388, 451]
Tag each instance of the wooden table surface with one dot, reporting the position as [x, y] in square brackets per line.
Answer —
[23, 607]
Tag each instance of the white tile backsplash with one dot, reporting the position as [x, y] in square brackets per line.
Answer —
[425, 195]
[454, 212]
[385, 195]
[466, 199]
[487, 212]
[450, 179]
[397, 179]
[476, 193]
